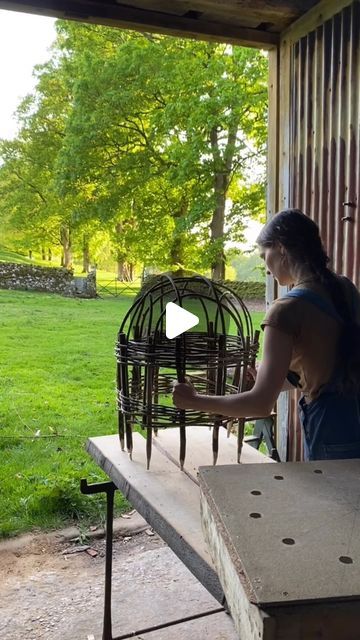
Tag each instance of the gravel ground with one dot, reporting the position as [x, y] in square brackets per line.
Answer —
[48, 593]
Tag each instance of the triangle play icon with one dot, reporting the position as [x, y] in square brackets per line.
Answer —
[178, 320]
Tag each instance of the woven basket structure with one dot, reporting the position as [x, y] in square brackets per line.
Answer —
[214, 356]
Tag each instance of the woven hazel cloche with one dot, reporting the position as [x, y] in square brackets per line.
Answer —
[214, 356]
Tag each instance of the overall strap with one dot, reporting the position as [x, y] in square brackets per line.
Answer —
[312, 297]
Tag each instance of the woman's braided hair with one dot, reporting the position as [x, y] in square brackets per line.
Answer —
[301, 238]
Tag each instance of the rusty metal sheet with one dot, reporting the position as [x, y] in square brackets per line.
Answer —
[325, 148]
[292, 530]
[325, 135]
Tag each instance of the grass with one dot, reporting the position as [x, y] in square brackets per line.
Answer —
[57, 389]
[57, 381]
[7, 255]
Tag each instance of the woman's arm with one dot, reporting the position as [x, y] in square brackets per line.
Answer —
[287, 386]
[261, 398]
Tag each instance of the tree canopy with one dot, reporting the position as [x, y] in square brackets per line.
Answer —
[156, 143]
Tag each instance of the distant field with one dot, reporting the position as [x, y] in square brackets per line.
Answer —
[107, 283]
[6, 255]
[57, 381]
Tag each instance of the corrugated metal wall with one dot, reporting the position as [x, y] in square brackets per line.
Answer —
[325, 146]
[325, 135]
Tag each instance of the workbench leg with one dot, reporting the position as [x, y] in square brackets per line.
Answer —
[109, 488]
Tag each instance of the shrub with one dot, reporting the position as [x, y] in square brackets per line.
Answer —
[245, 290]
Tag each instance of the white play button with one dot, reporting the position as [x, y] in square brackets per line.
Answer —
[178, 320]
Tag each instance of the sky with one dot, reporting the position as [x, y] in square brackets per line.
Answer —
[24, 42]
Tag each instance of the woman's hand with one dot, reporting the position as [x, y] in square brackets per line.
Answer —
[251, 374]
[184, 395]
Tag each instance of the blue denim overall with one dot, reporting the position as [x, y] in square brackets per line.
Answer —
[331, 423]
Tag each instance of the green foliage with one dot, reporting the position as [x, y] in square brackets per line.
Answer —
[28, 199]
[247, 266]
[247, 290]
[147, 143]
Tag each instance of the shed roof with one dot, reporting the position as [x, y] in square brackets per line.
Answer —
[252, 22]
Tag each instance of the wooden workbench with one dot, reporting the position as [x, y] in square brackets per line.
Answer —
[169, 499]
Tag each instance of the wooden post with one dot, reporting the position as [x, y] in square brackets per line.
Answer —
[124, 382]
[243, 381]
[180, 370]
[219, 390]
[148, 396]
[120, 414]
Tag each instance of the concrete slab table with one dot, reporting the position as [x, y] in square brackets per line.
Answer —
[285, 542]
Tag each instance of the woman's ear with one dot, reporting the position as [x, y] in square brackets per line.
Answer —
[280, 248]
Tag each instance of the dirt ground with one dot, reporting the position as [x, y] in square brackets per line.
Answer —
[42, 586]
[48, 594]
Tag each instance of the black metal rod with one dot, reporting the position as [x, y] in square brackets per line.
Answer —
[109, 488]
[164, 625]
[107, 626]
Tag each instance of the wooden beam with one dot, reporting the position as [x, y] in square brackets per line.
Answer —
[319, 14]
[249, 11]
[109, 14]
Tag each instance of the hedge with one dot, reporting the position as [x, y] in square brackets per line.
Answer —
[245, 290]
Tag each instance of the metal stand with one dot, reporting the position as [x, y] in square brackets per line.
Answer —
[109, 488]
[264, 431]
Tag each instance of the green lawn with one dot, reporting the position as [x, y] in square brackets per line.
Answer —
[7, 255]
[57, 377]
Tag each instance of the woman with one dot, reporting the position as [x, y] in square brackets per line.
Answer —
[311, 340]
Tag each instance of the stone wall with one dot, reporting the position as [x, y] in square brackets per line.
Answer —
[28, 277]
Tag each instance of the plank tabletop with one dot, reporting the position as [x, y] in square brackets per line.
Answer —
[166, 497]
[199, 449]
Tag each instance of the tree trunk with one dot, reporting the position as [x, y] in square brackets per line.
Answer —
[176, 256]
[30, 254]
[43, 254]
[222, 173]
[177, 245]
[217, 228]
[49, 255]
[120, 270]
[65, 239]
[86, 254]
[124, 268]
[125, 271]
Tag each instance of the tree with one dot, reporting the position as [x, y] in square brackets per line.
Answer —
[27, 174]
[149, 138]
[160, 131]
